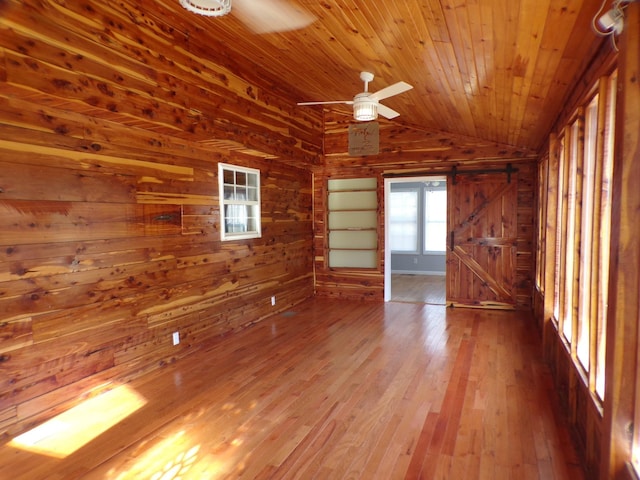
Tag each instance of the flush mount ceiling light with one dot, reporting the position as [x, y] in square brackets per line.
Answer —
[209, 8]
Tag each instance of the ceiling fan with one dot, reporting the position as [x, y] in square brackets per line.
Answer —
[366, 105]
[261, 16]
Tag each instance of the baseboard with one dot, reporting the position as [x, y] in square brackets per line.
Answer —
[416, 272]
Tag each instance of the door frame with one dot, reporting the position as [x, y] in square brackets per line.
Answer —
[387, 195]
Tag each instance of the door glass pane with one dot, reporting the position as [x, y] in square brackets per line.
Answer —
[352, 184]
[354, 239]
[346, 220]
[353, 258]
[365, 200]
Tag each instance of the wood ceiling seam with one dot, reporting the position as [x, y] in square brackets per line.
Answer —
[432, 59]
[455, 57]
[528, 44]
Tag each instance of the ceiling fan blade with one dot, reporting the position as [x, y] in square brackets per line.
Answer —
[391, 90]
[347, 102]
[266, 16]
[387, 112]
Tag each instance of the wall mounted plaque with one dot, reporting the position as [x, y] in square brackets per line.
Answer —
[364, 139]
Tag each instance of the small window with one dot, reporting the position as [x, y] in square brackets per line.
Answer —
[239, 202]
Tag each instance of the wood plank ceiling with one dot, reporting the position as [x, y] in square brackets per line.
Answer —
[497, 70]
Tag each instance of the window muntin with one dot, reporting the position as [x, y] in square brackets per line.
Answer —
[239, 202]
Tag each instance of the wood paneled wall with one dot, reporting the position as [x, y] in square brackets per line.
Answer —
[581, 410]
[410, 150]
[109, 217]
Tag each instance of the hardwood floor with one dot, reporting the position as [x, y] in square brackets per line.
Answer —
[418, 288]
[337, 390]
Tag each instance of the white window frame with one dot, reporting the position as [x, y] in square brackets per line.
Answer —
[234, 200]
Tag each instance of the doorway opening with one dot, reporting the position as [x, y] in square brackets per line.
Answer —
[415, 239]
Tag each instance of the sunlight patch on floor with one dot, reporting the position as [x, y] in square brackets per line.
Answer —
[171, 459]
[67, 432]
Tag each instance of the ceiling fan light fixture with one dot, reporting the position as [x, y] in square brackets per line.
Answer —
[364, 109]
[209, 8]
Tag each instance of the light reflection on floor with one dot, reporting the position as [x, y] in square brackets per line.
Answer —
[170, 460]
[67, 432]
[184, 455]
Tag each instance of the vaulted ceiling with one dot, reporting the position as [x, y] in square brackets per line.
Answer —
[497, 70]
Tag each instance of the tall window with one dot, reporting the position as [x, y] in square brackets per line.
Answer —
[435, 220]
[403, 220]
[587, 243]
[543, 185]
[559, 212]
[571, 227]
[605, 179]
[239, 202]
[582, 234]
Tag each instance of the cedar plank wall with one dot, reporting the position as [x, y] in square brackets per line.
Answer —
[407, 149]
[109, 214]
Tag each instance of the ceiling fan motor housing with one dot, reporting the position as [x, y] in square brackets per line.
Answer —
[364, 107]
[208, 8]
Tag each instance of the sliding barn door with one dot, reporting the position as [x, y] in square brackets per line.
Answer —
[481, 254]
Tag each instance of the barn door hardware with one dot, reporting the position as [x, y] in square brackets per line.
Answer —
[508, 170]
[454, 172]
